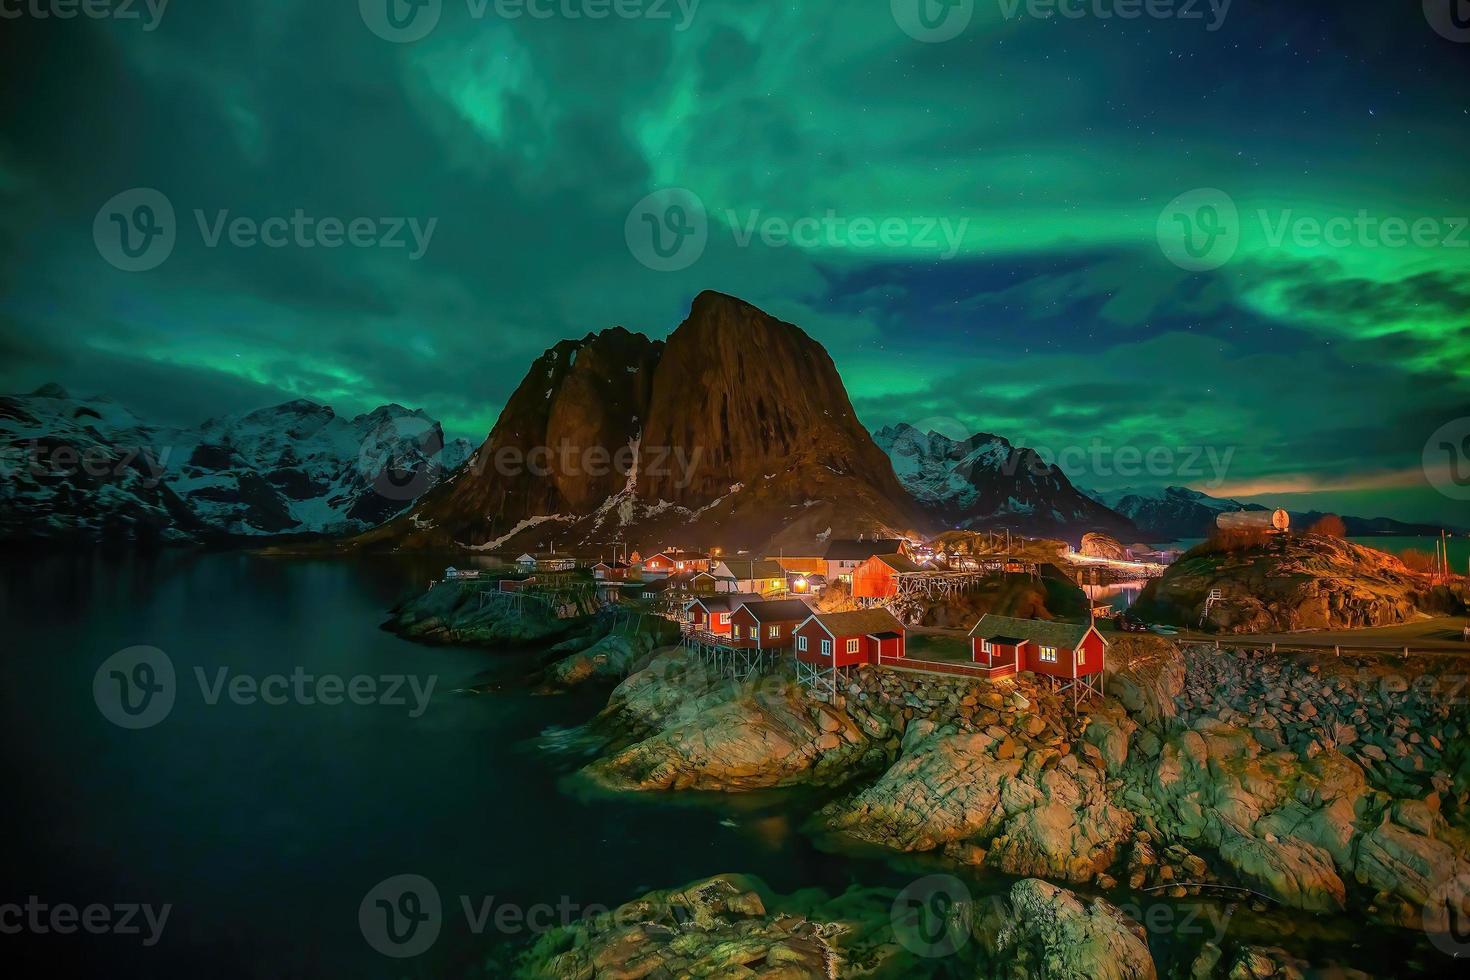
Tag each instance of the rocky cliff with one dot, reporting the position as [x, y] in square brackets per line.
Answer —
[736, 432]
[1312, 784]
[1290, 582]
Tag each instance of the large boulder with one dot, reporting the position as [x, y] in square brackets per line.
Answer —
[1053, 933]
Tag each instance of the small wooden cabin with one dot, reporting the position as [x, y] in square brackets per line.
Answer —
[1006, 645]
[844, 556]
[672, 562]
[615, 571]
[849, 638]
[769, 624]
[877, 578]
[714, 613]
[760, 575]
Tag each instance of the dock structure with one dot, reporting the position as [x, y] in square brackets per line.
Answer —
[562, 598]
[913, 591]
[737, 659]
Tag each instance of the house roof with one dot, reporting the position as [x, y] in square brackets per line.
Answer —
[1005, 641]
[1052, 634]
[862, 550]
[859, 623]
[680, 555]
[778, 610]
[743, 568]
[898, 563]
[723, 601]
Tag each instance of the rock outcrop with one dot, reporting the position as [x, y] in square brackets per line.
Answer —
[1321, 784]
[1097, 545]
[1053, 933]
[1289, 582]
[717, 927]
[735, 432]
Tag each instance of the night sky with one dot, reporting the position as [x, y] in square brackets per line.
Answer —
[1059, 147]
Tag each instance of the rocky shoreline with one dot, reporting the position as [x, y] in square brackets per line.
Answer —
[1320, 785]
[1314, 784]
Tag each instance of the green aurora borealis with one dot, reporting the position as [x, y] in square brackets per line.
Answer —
[1057, 142]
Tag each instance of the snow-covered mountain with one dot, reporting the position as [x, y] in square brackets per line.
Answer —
[1171, 512]
[985, 481]
[1179, 512]
[91, 469]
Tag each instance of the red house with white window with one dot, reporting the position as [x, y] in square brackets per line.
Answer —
[672, 562]
[769, 624]
[1065, 652]
[715, 613]
[847, 639]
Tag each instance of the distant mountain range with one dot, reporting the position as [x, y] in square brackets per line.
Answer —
[736, 432]
[1179, 512]
[90, 469]
[985, 481]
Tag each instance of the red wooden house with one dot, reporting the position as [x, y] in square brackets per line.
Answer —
[877, 578]
[770, 624]
[714, 613]
[671, 562]
[1065, 652]
[849, 638]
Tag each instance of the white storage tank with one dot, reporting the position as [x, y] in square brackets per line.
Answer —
[1254, 520]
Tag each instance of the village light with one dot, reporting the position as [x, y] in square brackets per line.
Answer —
[800, 585]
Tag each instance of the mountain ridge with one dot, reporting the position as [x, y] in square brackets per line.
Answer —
[986, 481]
[90, 469]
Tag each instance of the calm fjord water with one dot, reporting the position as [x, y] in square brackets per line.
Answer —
[264, 826]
